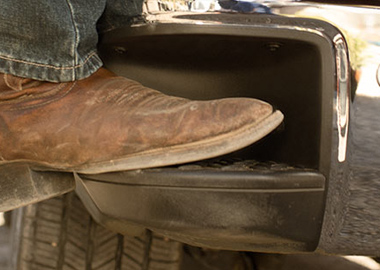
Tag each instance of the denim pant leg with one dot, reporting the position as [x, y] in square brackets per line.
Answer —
[56, 40]
[52, 40]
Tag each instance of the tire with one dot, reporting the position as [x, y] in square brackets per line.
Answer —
[60, 234]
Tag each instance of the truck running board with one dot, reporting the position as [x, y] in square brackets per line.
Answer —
[224, 204]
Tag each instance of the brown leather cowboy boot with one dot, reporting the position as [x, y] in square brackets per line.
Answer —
[108, 123]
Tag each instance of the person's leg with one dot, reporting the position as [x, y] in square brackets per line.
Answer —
[51, 40]
[101, 123]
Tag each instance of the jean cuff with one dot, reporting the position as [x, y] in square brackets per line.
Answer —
[43, 72]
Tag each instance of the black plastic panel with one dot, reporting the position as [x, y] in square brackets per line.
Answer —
[283, 72]
[244, 205]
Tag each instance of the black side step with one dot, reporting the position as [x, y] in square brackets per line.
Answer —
[241, 205]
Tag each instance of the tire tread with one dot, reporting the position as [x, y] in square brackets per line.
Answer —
[60, 234]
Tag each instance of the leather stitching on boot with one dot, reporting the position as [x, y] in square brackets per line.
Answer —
[43, 103]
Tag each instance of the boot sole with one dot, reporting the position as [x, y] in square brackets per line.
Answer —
[216, 146]
[166, 156]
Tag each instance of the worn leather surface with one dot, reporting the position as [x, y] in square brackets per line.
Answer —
[106, 117]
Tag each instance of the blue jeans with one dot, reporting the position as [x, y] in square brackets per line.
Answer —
[56, 40]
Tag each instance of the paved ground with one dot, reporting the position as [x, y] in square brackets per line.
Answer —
[313, 262]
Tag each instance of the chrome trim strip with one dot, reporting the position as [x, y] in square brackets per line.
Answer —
[342, 98]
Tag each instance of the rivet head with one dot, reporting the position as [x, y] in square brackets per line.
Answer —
[120, 50]
[273, 46]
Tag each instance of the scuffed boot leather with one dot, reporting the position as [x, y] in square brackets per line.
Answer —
[108, 123]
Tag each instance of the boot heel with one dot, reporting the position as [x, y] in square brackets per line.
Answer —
[21, 185]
